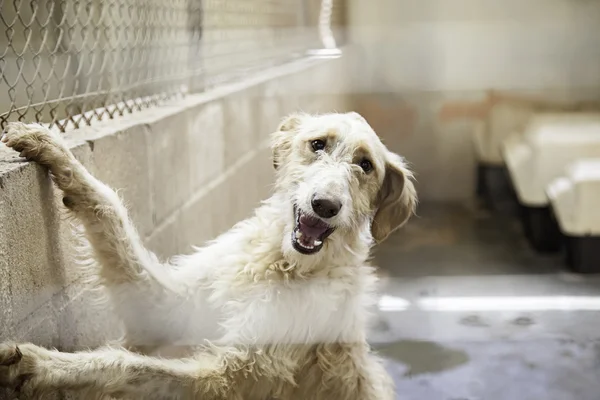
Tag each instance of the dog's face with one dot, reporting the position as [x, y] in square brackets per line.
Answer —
[340, 180]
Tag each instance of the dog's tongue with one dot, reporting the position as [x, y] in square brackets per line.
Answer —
[312, 227]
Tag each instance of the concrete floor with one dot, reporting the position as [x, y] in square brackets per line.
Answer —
[469, 312]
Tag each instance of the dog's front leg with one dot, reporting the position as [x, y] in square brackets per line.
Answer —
[36, 372]
[133, 276]
[115, 241]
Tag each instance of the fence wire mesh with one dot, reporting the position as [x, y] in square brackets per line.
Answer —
[73, 62]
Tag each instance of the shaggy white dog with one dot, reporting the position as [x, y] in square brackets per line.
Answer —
[276, 308]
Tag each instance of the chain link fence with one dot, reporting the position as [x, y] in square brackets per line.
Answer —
[73, 62]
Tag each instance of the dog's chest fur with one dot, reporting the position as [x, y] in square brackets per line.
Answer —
[246, 294]
[303, 312]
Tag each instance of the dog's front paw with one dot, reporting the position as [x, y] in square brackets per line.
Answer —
[17, 366]
[33, 142]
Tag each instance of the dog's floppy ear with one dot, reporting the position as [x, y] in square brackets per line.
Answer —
[281, 140]
[397, 198]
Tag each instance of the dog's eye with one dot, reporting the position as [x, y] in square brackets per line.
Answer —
[366, 165]
[317, 144]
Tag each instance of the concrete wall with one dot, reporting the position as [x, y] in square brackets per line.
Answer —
[422, 69]
[187, 170]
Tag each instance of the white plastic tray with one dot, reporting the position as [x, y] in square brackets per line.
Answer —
[575, 198]
[542, 153]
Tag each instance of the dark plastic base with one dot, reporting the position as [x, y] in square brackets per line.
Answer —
[583, 253]
[541, 229]
[494, 187]
[480, 181]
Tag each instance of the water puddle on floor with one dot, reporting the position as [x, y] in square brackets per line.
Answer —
[422, 357]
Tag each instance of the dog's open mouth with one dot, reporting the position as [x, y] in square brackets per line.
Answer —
[310, 233]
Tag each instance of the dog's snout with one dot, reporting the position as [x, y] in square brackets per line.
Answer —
[326, 208]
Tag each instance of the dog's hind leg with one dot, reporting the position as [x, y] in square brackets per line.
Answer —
[131, 273]
[37, 372]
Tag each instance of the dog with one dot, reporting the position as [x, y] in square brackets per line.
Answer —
[275, 308]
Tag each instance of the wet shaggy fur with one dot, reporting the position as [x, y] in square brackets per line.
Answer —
[251, 317]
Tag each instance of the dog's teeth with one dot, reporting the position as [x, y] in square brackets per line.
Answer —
[298, 234]
[318, 242]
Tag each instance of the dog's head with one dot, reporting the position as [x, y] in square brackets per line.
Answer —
[341, 181]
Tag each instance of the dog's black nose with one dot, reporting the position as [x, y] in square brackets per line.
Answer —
[326, 208]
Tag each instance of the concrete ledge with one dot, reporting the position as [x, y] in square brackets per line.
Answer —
[188, 170]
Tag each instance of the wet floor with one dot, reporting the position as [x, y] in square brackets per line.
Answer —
[469, 312]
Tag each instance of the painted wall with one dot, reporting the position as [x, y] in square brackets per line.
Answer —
[422, 69]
